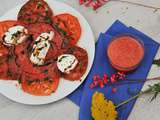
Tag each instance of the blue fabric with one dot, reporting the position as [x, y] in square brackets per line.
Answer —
[82, 96]
[115, 29]
[101, 66]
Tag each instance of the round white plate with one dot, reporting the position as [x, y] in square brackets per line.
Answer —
[14, 92]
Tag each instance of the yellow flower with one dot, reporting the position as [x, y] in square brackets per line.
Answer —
[102, 109]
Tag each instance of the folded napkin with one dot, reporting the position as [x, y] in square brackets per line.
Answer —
[116, 28]
[101, 65]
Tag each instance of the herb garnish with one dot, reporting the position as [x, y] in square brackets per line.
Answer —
[10, 57]
[45, 71]
[80, 65]
[46, 79]
[60, 30]
[19, 81]
[62, 58]
[48, 20]
[29, 82]
[39, 4]
[65, 43]
[15, 35]
[9, 73]
[46, 10]
[40, 48]
[38, 41]
[157, 62]
[45, 44]
[47, 38]
[71, 50]
[39, 14]
[29, 19]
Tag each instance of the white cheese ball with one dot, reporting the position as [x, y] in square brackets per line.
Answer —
[15, 35]
[66, 63]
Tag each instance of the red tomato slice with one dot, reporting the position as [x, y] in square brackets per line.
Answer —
[14, 71]
[81, 68]
[4, 75]
[69, 24]
[5, 72]
[40, 88]
[3, 51]
[35, 11]
[5, 25]
[41, 84]
[22, 57]
[38, 28]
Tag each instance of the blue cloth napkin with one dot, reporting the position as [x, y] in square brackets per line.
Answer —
[101, 65]
[116, 28]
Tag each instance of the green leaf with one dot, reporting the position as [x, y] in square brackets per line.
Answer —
[45, 71]
[19, 81]
[157, 62]
[39, 4]
[29, 82]
[154, 96]
[46, 79]
[48, 20]
[9, 73]
[10, 57]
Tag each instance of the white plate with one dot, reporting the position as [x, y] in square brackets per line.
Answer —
[10, 89]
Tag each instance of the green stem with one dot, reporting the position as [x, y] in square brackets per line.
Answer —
[134, 97]
[130, 99]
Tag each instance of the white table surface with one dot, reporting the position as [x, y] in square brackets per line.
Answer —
[143, 19]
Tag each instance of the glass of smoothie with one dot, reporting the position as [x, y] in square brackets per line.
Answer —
[125, 52]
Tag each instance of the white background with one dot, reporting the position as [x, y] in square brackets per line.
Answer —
[142, 18]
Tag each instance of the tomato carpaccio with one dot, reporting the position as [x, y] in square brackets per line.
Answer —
[81, 68]
[5, 58]
[15, 57]
[70, 25]
[35, 11]
[43, 83]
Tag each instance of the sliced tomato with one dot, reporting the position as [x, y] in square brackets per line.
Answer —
[14, 72]
[38, 28]
[42, 84]
[81, 68]
[35, 11]
[9, 69]
[36, 80]
[3, 51]
[4, 74]
[40, 87]
[13, 69]
[23, 61]
[70, 25]
[52, 53]
[5, 25]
